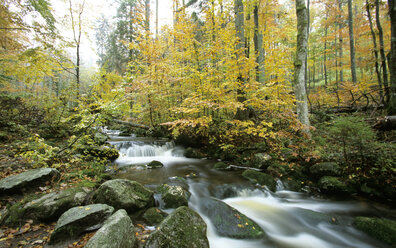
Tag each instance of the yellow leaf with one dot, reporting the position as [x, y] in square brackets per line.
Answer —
[87, 208]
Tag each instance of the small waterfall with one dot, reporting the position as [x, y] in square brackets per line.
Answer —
[134, 149]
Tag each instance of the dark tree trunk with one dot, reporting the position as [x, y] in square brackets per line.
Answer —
[352, 42]
[392, 59]
[382, 50]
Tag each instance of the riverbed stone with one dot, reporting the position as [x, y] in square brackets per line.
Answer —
[153, 216]
[229, 222]
[378, 228]
[28, 180]
[124, 194]
[78, 220]
[174, 196]
[260, 178]
[155, 164]
[325, 169]
[116, 232]
[51, 206]
[220, 166]
[329, 184]
[183, 228]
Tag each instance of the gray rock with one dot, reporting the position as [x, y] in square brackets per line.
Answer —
[154, 216]
[183, 228]
[260, 160]
[155, 164]
[229, 222]
[325, 169]
[260, 178]
[51, 206]
[174, 196]
[78, 220]
[28, 180]
[116, 232]
[124, 194]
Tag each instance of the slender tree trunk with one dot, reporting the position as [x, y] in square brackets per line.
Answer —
[382, 51]
[156, 19]
[392, 59]
[258, 46]
[352, 42]
[377, 70]
[301, 54]
[340, 38]
[147, 15]
[325, 50]
[242, 114]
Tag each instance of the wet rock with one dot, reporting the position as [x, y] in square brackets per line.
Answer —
[116, 232]
[378, 228]
[332, 185]
[220, 166]
[261, 161]
[182, 228]
[154, 216]
[325, 169]
[228, 190]
[50, 206]
[193, 153]
[155, 164]
[78, 220]
[28, 180]
[124, 194]
[229, 222]
[260, 178]
[174, 196]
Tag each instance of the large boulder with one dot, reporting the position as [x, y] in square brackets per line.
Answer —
[183, 228]
[325, 169]
[260, 178]
[154, 216]
[28, 180]
[329, 184]
[78, 220]
[124, 194]
[174, 196]
[229, 222]
[116, 232]
[50, 206]
[378, 228]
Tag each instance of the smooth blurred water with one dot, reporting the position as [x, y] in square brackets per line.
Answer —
[290, 219]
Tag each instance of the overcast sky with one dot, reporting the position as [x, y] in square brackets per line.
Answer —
[93, 10]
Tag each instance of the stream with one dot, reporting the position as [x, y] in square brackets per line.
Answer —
[290, 219]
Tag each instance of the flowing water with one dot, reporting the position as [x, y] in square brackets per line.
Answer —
[290, 219]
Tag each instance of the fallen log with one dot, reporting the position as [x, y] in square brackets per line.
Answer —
[131, 124]
[386, 123]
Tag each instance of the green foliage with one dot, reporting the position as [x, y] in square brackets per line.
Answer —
[37, 152]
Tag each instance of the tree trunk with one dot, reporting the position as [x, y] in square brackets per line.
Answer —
[382, 51]
[340, 38]
[156, 19]
[147, 15]
[242, 114]
[301, 54]
[392, 59]
[258, 46]
[352, 42]
[325, 49]
[377, 70]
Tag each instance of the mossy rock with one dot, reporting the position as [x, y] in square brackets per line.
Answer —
[155, 164]
[220, 166]
[287, 154]
[229, 222]
[103, 152]
[153, 216]
[325, 169]
[78, 220]
[260, 161]
[117, 231]
[124, 194]
[378, 228]
[260, 178]
[174, 196]
[292, 184]
[183, 228]
[332, 185]
[193, 153]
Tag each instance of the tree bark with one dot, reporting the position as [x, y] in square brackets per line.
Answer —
[325, 48]
[340, 38]
[352, 42]
[377, 70]
[382, 51]
[392, 59]
[301, 54]
[147, 15]
[156, 19]
[258, 46]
